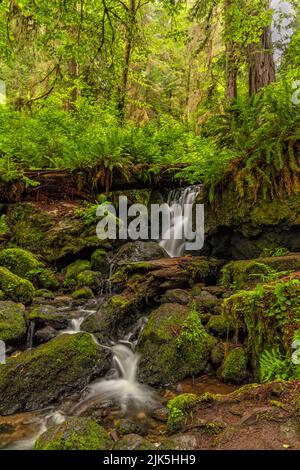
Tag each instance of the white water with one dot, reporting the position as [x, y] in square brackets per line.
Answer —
[173, 240]
[123, 387]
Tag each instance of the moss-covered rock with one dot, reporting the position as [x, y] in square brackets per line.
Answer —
[234, 367]
[176, 296]
[38, 377]
[12, 323]
[238, 228]
[48, 315]
[55, 233]
[218, 325]
[248, 273]
[112, 319]
[173, 345]
[91, 279]
[178, 408]
[269, 314]
[76, 268]
[217, 354]
[43, 293]
[48, 280]
[75, 434]
[83, 293]
[139, 251]
[20, 262]
[2, 295]
[15, 287]
[100, 262]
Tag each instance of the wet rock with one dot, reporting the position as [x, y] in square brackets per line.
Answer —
[206, 302]
[48, 280]
[100, 262]
[219, 326]
[75, 434]
[176, 296]
[44, 294]
[73, 270]
[48, 315]
[91, 279]
[38, 377]
[134, 442]
[12, 323]
[44, 334]
[173, 345]
[188, 441]
[127, 426]
[139, 251]
[160, 414]
[217, 354]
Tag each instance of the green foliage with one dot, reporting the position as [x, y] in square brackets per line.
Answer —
[273, 365]
[179, 408]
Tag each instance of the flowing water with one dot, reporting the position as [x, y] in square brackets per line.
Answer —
[173, 240]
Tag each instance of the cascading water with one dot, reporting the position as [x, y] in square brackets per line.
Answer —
[173, 240]
[30, 333]
[122, 386]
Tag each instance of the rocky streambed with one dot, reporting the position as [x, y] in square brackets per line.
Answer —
[199, 326]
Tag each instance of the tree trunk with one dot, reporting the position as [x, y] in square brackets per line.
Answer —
[231, 61]
[122, 89]
[261, 63]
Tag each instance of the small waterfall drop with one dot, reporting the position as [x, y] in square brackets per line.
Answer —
[173, 240]
[121, 386]
[30, 333]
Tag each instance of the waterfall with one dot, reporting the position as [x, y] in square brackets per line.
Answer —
[173, 240]
[121, 386]
[30, 333]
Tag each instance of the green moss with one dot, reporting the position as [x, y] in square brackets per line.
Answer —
[269, 314]
[76, 268]
[83, 293]
[200, 270]
[2, 295]
[75, 434]
[219, 326]
[90, 279]
[46, 294]
[47, 280]
[16, 288]
[234, 367]
[179, 407]
[50, 371]
[173, 345]
[12, 322]
[20, 262]
[241, 274]
[100, 262]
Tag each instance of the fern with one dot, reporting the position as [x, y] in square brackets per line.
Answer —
[274, 366]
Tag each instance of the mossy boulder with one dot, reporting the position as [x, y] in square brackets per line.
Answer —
[100, 262]
[48, 280]
[234, 367]
[236, 227]
[48, 315]
[139, 251]
[38, 377]
[268, 315]
[15, 287]
[91, 279]
[178, 408]
[12, 323]
[83, 293]
[113, 318]
[74, 269]
[75, 434]
[218, 326]
[2, 295]
[217, 354]
[43, 293]
[56, 233]
[176, 296]
[247, 273]
[173, 345]
[20, 262]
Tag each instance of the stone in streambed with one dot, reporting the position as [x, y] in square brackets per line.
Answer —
[48, 315]
[12, 323]
[134, 442]
[173, 345]
[38, 377]
[75, 434]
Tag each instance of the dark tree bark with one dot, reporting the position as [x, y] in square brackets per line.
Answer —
[261, 63]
